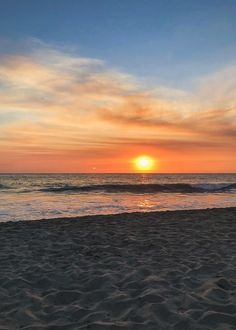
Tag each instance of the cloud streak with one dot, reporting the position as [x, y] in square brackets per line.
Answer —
[57, 103]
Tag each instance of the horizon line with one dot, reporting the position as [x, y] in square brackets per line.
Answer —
[120, 173]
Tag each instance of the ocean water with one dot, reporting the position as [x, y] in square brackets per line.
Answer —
[41, 196]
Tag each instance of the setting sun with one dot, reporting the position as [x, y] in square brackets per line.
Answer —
[144, 163]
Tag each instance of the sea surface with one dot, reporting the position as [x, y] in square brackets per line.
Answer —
[41, 196]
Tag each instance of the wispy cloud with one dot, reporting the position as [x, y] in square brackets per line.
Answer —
[53, 102]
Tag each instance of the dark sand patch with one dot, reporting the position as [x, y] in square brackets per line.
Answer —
[163, 270]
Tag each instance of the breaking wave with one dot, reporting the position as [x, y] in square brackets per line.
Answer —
[145, 188]
[2, 187]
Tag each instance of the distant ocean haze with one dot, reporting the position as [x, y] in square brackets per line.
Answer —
[41, 196]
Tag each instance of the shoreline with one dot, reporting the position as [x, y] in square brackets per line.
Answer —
[124, 214]
[156, 270]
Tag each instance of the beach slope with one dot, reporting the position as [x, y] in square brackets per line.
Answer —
[162, 270]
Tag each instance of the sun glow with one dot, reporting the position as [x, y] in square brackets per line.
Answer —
[144, 163]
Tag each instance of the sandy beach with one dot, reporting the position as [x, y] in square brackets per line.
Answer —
[162, 270]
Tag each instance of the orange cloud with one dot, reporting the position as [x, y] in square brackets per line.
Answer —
[57, 106]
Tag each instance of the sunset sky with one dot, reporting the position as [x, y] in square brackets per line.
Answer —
[90, 85]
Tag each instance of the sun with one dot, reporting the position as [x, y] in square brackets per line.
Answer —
[144, 163]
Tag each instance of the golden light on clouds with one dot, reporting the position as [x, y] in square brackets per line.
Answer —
[64, 113]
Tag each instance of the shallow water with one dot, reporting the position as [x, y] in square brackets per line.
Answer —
[37, 196]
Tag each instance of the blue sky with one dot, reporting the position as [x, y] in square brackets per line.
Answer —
[90, 84]
[169, 42]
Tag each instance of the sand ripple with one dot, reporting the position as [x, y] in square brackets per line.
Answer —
[171, 270]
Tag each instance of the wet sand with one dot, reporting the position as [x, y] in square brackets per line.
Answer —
[162, 270]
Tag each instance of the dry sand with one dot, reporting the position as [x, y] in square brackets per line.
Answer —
[166, 270]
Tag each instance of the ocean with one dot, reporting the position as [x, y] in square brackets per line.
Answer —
[43, 196]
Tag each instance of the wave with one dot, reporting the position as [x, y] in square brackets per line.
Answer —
[216, 186]
[145, 188]
[3, 187]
